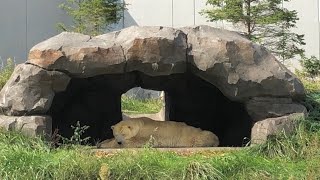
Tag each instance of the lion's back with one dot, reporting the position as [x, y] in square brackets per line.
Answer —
[177, 134]
[171, 133]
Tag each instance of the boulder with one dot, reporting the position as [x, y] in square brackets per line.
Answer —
[151, 50]
[260, 108]
[144, 94]
[30, 90]
[266, 128]
[8, 122]
[240, 68]
[28, 125]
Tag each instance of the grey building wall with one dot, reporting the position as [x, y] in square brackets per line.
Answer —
[24, 23]
[13, 28]
[308, 24]
[171, 13]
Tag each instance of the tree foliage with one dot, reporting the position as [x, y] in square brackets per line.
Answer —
[91, 17]
[266, 22]
[311, 66]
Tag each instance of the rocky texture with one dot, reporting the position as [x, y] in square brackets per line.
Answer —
[28, 125]
[151, 50]
[8, 122]
[30, 90]
[238, 67]
[260, 108]
[262, 130]
[205, 72]
[144, 94]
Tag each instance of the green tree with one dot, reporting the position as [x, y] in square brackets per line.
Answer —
[91, 17]
[265, 21]
[311, 66]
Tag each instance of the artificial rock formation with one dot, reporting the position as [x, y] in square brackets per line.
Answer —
[272, 126]
[207, 73]
[30, 90]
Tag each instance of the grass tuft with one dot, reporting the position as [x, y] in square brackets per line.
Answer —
[202, 170]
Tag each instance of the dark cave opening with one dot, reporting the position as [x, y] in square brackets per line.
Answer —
[96, 102]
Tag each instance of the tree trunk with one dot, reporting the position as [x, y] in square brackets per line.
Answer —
[249, 18]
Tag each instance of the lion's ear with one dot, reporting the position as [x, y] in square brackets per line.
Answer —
[112, 127]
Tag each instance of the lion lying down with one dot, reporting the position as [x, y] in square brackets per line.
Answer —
[137, 132]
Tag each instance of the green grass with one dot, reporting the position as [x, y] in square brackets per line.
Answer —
[27, 158]
[136, 106]
[293, 157]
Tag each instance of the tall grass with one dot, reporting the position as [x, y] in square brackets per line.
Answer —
[31, 158]
[244, 164]
[304, 143]
[285, 157]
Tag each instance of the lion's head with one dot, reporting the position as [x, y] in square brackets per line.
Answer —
[124, 130]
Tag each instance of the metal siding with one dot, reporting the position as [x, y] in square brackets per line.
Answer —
[148, 13]
[13, 29]
[183, 13]
[24, 25]
[308, 23]
[42, 17]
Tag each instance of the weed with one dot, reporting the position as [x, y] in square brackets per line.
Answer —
[76, 138]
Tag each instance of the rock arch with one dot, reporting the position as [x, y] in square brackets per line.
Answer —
[213, 79]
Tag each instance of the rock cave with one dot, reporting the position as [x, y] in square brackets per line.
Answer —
[96, 102]
[213, 79]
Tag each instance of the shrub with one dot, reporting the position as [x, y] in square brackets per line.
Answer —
[6, 72]
[312, 100]
[91, 16]
[311, 66]
[76, 138]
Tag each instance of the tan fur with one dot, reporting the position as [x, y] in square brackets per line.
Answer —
[137, 132]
